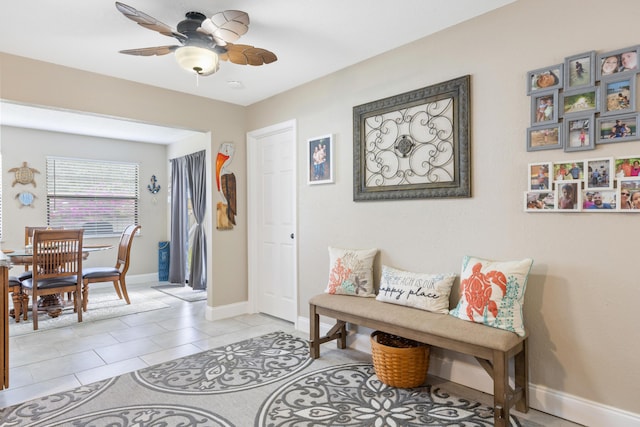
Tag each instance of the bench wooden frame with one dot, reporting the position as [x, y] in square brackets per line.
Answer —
[495, 362]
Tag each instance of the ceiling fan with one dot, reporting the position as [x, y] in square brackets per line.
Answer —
[203, 41]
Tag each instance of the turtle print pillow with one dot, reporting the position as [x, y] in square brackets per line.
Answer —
[492, 293]
[351, 272]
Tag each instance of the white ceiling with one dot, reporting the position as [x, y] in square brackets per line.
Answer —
[311, 38]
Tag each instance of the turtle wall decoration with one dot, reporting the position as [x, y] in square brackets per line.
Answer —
[24, 175]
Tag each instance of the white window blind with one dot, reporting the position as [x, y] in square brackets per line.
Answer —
[99, 196]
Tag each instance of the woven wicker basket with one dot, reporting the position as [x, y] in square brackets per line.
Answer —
[402, 367]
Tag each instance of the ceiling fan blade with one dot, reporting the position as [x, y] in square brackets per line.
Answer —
[227, 26]
[149, 22]
[150, 51]
[244, 54]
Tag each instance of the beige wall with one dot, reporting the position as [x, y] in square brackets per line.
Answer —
[582, 294]
[31, 82]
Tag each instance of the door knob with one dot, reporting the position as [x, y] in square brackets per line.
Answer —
[292, 235]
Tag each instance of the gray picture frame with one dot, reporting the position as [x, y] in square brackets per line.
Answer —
[541, 96]
[606, 134]
[544, 137]
[574, 127]
[619, 71]
[533, 76]
[394, 140]
[583, 100]
[611, 89]
[573, 77]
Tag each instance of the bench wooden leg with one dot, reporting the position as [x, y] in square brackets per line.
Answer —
[500, 388]
[521, 361]
[314, 332]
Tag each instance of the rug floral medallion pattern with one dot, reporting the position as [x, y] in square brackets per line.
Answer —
[269, 381]
[352, 395]
[234, 367]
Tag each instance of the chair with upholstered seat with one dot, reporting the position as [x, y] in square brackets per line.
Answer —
[112, 274]
[28, 240]
[56, 268]
[14, 288]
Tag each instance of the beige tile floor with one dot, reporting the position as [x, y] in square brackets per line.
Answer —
[54, 360]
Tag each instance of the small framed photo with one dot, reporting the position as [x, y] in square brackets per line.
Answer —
[544, 107]
[599, 173]
[578, 133]
[627, 167]
[617, 61]
[540, 176]
[599, 201]
[572, 170]
[569, 196]
[539, 201]
[545, 78]
[320, 160]
[579, 102]
[544, 137]
[613, 129]
[579, 70]
[629, 194]
[618, 96]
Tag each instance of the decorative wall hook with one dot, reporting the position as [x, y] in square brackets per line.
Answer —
[153, 187]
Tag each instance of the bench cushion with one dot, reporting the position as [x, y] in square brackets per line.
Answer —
[442, 325]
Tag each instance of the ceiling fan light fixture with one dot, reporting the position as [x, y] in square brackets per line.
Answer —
[197, 59]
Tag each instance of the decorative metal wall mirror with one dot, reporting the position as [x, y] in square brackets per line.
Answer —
[414, 145]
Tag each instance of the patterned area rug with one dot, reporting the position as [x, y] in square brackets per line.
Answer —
[264, 381]
[185, 293]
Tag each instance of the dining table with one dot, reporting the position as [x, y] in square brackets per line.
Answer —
[52, 304]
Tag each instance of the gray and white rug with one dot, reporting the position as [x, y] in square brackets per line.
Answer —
[265, 381]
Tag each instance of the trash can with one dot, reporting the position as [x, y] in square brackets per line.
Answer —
[163, 261]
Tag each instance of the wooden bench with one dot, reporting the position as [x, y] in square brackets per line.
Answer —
[492, 347]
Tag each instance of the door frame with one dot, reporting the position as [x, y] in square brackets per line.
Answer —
[253, 228]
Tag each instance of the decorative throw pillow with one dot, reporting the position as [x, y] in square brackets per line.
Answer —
[492, 292]
[351, 272]
[419, 290]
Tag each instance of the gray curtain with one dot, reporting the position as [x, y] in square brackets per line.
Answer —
[188, 178]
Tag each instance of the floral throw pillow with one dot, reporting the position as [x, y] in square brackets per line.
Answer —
[351, 272]
[492, 293]
[428, 292]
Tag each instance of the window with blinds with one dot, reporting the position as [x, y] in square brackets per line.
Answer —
[99, 196]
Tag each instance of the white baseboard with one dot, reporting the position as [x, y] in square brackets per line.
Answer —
[226, 311]
[142, 278]
[464, 370]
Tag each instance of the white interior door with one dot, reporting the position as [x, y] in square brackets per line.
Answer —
[271, 158]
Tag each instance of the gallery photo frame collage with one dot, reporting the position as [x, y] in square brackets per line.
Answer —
[591, 185]
[587, 100]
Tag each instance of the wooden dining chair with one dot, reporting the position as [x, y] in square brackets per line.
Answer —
[112, 274]
[28, 240]
[56, 268]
